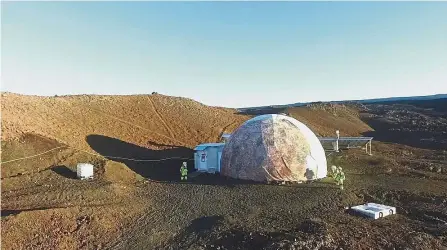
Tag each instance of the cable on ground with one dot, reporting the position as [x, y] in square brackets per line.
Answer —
[105, 156]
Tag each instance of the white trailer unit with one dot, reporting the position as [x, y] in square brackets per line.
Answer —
[84, 171]
[207, 157]
[374, 210]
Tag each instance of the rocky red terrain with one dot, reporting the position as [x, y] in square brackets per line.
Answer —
[142, 205]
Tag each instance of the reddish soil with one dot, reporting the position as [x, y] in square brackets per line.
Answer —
[142, 205]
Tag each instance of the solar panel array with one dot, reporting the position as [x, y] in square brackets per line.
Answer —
[328, 143]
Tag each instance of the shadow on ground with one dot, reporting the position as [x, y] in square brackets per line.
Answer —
[7, 212]
[211, 232]
[164, 165]
[198, 229]
[64, 172]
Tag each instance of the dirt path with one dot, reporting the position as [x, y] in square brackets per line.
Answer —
[225, 128]
[161, 117]
[140, 127]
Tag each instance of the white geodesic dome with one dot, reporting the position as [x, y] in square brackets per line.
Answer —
[274, 148]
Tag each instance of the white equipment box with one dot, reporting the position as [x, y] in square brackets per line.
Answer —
[84, 171]
[374, 210]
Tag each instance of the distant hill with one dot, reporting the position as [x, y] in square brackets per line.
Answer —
[365, 101]
[409, 98]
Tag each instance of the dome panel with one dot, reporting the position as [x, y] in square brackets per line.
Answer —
[273, 148]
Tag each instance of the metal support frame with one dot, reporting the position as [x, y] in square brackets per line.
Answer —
[368, 145]
[347, 142]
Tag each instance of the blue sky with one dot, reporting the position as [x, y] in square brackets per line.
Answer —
[233, 54]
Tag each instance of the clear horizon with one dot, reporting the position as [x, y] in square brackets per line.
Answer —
[271, 104]
[231, 54]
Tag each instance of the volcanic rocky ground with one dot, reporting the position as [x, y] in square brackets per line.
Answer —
[142, 205]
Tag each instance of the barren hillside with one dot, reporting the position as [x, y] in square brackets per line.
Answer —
[143, 205]
[324, 119]
[136, 119]
[141, 127]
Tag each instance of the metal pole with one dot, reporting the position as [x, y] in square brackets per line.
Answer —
[336, 142]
